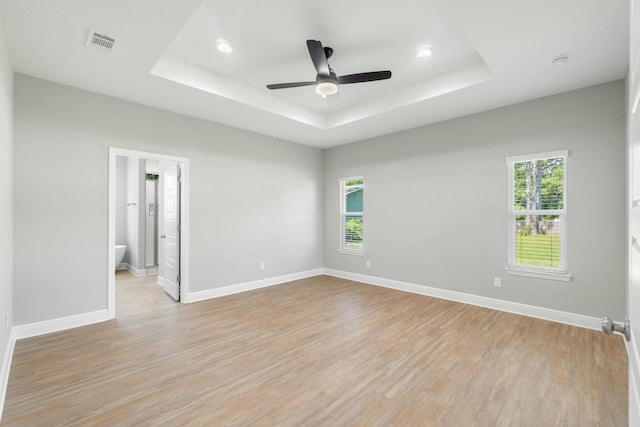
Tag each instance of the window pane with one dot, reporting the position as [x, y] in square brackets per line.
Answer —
[353, 231]
[353, 191]
[538, 240]
[351, 214]
[538, 184]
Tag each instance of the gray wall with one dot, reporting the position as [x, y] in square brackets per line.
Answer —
[253, 198]
[436, 201]
[6, 193]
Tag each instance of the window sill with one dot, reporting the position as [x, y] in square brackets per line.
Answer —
[538, 274]
[351, 252]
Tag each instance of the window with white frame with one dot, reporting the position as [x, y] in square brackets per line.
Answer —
[351, 215]
[538, 215]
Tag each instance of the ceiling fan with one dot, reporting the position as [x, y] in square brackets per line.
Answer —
[327, 81]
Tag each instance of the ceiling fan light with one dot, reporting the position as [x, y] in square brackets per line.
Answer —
[326, 88]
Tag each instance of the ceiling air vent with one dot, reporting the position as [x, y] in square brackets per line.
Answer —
[100, 41]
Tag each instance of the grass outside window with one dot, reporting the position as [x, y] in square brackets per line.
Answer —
[541, 250]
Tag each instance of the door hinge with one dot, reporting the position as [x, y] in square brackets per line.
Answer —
[178, 278]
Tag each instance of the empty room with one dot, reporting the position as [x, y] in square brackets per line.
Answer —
[340, 213]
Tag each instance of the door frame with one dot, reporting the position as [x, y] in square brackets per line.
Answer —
[633, 210]
[183, 162]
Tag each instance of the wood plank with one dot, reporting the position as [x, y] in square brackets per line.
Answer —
[318, 351]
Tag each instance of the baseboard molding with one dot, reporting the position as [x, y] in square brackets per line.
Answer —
[5, 367]
[249, 286]
[55, 325]
[496, 304]
[60, 324]
[543, 313]
[138, 272]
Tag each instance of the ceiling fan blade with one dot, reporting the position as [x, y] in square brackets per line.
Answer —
[288, 85]
[364, 77]
[318, 57]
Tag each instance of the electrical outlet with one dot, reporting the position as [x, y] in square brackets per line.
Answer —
[497, 282]
[368, 264]
[262, 266]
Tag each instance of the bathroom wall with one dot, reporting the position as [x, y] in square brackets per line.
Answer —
[121, 201]
[150, 215]
[132, 219]
[135, 211]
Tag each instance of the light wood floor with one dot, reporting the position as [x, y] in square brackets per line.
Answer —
[319, 351]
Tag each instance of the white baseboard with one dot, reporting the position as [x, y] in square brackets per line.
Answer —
[5, 367]
[60, 324]
[496, 304]
[248, 286]
[138, 272]
[152, 270]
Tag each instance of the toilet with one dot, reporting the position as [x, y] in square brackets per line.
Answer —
[119, 250]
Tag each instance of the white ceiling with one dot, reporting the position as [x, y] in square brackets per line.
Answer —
[486, 54]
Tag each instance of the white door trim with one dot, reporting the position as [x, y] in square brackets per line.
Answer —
[184, 221]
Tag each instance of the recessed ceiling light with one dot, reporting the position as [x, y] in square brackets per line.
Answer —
[424, 52]
[223, 46]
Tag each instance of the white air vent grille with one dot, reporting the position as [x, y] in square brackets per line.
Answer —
[100, 40]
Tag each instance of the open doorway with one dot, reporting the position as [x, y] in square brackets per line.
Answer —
[149, 192]
[137, 213]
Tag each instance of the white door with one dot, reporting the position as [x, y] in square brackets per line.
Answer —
[633, 288]
[171, 227]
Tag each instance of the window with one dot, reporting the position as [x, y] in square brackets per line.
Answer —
[351, 215]
[538, 215]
